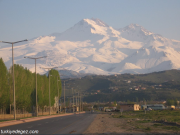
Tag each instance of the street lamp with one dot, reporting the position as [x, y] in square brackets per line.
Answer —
[49, 89]
[61, 99]
[73, 99]
[13, 72]
[64, 94]
[82, 101]
[36, 80]
[58, 93]
[76, 102]
[64, 99]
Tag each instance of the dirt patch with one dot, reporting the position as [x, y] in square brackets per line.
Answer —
[106, 124]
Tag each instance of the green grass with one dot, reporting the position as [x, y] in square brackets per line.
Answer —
[168, 115]
[145, 122]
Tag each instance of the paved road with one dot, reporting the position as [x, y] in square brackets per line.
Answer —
[72, 124]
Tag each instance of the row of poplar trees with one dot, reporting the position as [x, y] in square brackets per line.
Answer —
[25, 88]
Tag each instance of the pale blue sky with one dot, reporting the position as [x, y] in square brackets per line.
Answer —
[26, 19]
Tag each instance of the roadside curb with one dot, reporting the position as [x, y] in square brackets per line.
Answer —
[14, 122]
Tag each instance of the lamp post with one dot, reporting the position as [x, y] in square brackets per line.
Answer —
[61, 99]
[13, 73]
[36, 79]
[64, 93]
[82, 100]
[64, 99]
[82, 103]
[73, 100]
[78, 101]
[58, 93]
[49, 89]
[76, 104]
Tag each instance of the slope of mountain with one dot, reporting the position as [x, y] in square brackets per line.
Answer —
[159, 86]
[150, 59]
[92, 46]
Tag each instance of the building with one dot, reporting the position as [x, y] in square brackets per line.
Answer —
[98, 91]
[143, 88]
[128, 81]
[130, 107]
[154, 107]
[101, 108]
[137, 88]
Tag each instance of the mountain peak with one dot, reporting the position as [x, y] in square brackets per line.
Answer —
[137, 28]
[135, 32]
[99, 22]
[133, 26]
[92, 22]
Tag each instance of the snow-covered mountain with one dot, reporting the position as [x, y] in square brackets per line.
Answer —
[92, 46]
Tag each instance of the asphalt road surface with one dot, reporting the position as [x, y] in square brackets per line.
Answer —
[71, 124]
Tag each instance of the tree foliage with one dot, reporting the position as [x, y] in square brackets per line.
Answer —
[170, 102]
[4, 87]
[25, 87]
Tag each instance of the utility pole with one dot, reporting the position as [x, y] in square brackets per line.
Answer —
[80, 102]
[36, 79]
[49, 89]
[73, 99]
[76, 104]
[60, 105]
[58, 93]
[71, 104]
[64, 99]
[13, 73]
[49, 96]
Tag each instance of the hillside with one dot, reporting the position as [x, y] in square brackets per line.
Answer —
[154, 86]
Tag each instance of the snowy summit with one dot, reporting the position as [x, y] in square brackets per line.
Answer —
[92, 46]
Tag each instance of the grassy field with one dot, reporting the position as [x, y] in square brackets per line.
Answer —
[161, 121]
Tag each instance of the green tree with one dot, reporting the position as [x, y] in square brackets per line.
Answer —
[26, 92]
[115, 103]
[95, 106]
[170, 102]
[25, 87]
[4, 86]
